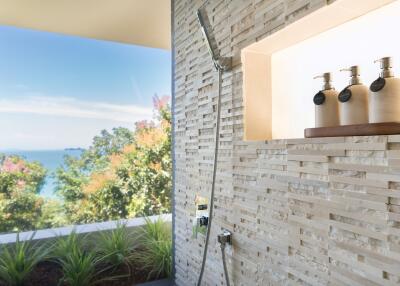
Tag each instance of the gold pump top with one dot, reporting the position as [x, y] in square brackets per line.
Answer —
[386, 64]
[327, 80]
[354, 74]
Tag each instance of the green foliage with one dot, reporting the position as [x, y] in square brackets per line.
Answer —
[82, 268]
[75, 171]
[123, 174]
[110, 143]
[18, 260]
[146, 171]
[20, 212]
[108, 202]
[117, 245]
[52, 215]
[82, 264]
[87, 264]
[70, 178]
[18, 174]
[20, 183]
[156, 253]
[64, 245]
[75, 174]
[155, 230]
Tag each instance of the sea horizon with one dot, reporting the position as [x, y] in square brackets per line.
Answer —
[34, 150]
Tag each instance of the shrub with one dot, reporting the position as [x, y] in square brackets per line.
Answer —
[18, 174]
[20, 212]
[64, 245]
[20, 184]
[18, 260]
[116, 245]
[155, 255]
[82, 268]
[53, 214]
[157, 230]
[85, 265]
[80, 265]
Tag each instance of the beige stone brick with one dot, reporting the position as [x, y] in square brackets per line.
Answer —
[310, 158]
[320, 211]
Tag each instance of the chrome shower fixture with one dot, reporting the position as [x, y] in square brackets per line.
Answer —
[220, 63]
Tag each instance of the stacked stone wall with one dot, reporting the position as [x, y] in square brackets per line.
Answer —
[302, 211]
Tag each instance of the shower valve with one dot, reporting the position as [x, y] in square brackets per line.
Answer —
[225, 237]
[203, 221]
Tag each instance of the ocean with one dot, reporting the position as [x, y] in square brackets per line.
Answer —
[50, 159]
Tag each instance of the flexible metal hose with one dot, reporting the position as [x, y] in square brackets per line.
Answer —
[214, 175]
[224, 263]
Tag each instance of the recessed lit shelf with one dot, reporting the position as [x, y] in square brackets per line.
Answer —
[277, 71]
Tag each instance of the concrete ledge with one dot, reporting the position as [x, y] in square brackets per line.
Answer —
[50, 233]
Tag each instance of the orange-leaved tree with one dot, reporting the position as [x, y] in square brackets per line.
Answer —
[131, 180]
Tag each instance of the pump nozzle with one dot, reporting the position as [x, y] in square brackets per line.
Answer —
[327, 80]
[386, 64]
[354, 74]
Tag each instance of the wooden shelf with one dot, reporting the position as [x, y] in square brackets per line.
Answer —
[370, 129]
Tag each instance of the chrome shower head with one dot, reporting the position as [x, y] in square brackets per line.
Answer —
[205, 33]
[220, 63]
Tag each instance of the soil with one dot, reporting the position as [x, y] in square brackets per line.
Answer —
[140, 275]
[50, 273]
[46, 274]
[123, 281]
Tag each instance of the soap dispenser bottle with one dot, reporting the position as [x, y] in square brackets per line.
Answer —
[384, 96]
[353, 100]
[326, 104]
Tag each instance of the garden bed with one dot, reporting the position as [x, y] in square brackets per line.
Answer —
[117, 257]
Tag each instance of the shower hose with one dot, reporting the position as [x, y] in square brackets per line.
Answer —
[214, 174]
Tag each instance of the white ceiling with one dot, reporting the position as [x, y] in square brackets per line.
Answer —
[139, 22]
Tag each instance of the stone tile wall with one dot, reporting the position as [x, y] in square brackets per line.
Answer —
[302, 212]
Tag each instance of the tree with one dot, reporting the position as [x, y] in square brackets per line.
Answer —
[123, 174]
[20, 184]
[75, 172]
[147, 169]
[52, 215]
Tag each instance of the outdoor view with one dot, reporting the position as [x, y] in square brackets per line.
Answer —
[84, 130]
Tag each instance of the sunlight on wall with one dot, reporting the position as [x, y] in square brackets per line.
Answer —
[358, 42]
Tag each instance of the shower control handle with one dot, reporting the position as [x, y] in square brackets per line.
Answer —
[203, 221]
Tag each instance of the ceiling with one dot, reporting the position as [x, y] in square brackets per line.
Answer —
[139, 22]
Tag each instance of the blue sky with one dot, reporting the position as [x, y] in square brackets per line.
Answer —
[59, 91]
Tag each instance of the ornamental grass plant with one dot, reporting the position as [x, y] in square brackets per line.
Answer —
[116, 257]
[155, 254]
[18, 260]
